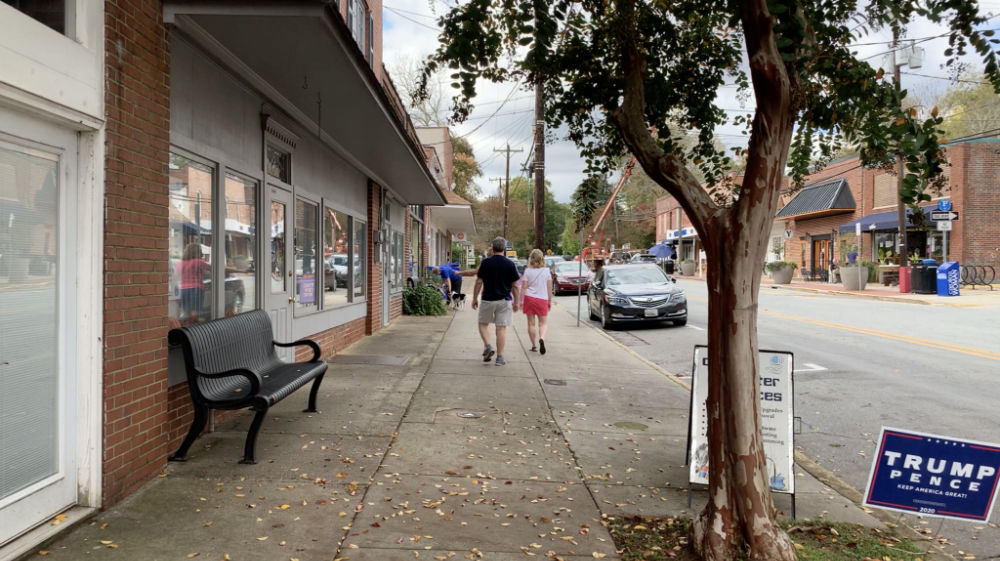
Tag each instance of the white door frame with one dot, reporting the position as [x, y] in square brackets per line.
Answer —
[80, 237]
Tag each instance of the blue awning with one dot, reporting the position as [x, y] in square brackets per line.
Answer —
[884, 221]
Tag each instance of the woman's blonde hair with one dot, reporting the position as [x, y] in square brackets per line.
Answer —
[536, 259]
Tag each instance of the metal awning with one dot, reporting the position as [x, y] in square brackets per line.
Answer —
[822, 199]
[456, 216]
[300, 55]
[883, 221]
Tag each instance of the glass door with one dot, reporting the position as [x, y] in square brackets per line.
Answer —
[280, 280]
[38, 438]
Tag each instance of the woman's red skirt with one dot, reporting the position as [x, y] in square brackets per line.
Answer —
[536, 306]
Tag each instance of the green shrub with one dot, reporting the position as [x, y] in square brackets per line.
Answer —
[423, 300]
[773, 266]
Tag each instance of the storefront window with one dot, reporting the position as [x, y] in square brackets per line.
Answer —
[49, 12]
[305, 255]
[397, 261]
[191, 264]
[240, 244]
[359, 262]
[277, 244]
[336, 258]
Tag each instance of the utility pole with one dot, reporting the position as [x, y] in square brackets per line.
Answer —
[539, 168]
[904, 251]
[506, 188]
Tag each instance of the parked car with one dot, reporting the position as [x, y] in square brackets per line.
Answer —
[643, 258]
[567, 277]
[635, 292]
[551, 260]
[335, 271]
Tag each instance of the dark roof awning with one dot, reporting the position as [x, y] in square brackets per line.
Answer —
[281, 46]
[884, 221]
[823, 199]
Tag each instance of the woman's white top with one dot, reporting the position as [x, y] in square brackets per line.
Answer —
[536, 282]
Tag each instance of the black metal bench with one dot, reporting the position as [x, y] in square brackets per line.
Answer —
[231, 364]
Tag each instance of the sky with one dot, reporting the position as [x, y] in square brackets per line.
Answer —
[504, 113]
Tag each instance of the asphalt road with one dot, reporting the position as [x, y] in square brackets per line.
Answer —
[861, 364]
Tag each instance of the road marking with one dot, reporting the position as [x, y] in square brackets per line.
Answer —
[961, 349]
[810, 367]
[693, 327]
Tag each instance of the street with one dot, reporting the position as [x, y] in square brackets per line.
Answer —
[861, 364]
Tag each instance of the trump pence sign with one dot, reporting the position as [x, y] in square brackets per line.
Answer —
[934, 475]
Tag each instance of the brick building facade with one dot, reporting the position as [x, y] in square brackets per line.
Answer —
[164, 128]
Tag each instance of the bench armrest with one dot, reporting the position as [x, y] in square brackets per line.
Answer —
[252, 377]
[312, 345]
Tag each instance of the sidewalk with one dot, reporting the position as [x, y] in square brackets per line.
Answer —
[423, 451]
[968, 298]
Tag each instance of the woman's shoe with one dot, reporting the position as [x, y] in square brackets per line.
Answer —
[541, 346]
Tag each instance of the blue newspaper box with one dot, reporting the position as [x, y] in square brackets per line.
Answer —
[948, 279]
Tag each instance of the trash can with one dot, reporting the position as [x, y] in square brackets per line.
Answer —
[949, 277]
[668, 266]
[922, 279]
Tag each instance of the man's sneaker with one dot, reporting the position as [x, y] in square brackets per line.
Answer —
[541, 346]
[488, 353]
[501, 361]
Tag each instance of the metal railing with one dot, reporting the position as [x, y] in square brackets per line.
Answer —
[978, 275]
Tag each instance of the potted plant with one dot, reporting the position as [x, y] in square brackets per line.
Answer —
[781, 271]
[851, 274]
[888, 271]
[687, 267]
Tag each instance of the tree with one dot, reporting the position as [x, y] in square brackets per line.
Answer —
[612, 70]
[970, 107]
[465, 169]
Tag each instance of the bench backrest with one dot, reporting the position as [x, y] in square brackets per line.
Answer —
[240, 341]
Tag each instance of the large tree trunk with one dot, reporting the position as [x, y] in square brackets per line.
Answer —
[738, 521]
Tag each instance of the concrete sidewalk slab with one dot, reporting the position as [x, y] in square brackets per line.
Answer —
[388, 470]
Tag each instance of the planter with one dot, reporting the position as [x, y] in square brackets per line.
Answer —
[888, 274]
[687, 269]
[854, 277]
[782, 275]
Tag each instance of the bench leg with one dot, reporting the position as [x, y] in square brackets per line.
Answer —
[249, 457]
[200, 418]
[312, 394]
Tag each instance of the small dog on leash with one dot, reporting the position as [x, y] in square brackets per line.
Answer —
[457, 300]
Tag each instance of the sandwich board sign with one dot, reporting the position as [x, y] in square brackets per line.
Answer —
[776, 416]
[933, 475]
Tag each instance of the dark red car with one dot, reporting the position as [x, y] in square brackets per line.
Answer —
[567, 277]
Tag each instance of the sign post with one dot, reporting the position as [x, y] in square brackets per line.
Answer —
[945, 215]
[776, 418]
[933, 475]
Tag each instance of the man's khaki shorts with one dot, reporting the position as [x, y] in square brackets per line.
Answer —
[499, 312]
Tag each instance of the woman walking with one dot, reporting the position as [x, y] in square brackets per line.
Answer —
[537, 299]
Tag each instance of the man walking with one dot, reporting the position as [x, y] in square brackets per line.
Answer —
[496, 277]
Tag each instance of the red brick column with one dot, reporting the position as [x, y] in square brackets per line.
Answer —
[373, 320]
[137, 101]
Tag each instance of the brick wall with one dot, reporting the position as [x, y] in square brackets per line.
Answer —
[975, 238]
[373, 319]
[333, 341]
[135, 246]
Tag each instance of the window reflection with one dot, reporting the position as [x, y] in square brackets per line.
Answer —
[305, 255]
[359, 249]
[240, 244]
[278, 258]
[336, 258]
[190, 297]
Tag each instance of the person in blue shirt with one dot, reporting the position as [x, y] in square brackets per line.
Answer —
[452, 280]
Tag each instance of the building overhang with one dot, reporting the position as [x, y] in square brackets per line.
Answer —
[453, 218]
[300, 55]
[818, 200]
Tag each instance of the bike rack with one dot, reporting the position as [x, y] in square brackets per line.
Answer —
[978, 275]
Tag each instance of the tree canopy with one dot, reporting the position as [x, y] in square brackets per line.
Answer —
[623, 76]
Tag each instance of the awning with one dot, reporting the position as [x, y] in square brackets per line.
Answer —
[884, 221]
[823, 199]
[456, 216]
[301, 56]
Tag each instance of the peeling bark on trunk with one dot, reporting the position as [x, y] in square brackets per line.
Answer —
[738, 520]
